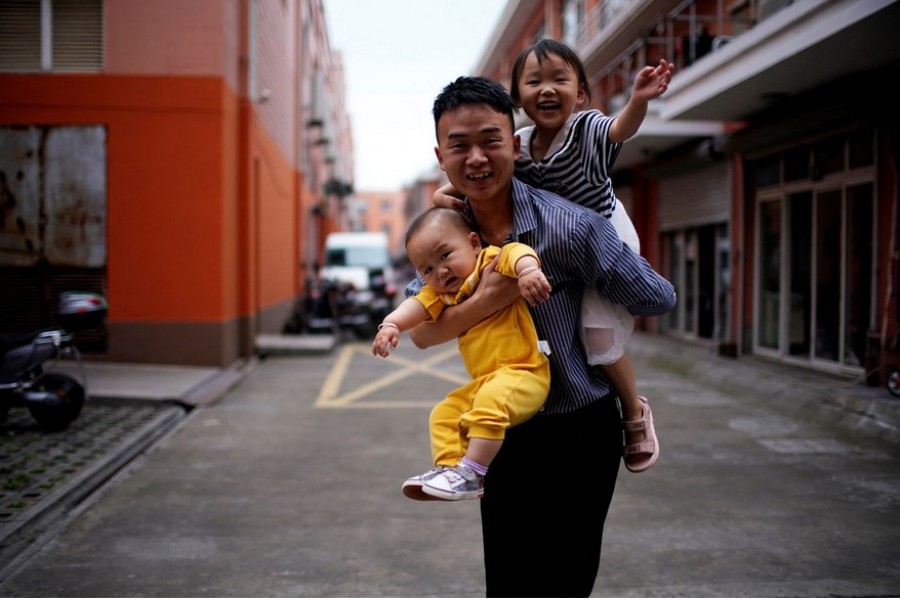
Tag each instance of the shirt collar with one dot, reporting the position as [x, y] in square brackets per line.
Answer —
[558, 142]
[524, 219]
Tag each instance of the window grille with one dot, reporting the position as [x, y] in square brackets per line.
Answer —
[51, 35]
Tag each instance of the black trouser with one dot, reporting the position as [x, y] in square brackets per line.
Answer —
[545, 501]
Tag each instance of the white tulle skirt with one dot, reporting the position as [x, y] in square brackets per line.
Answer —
[607, 327]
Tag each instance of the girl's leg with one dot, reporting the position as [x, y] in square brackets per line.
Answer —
[621, 375]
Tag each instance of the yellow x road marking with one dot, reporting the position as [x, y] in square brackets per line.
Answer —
[328, 395]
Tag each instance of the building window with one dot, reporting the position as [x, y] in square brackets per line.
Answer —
[698, 264]
[51, 35]
[573, 17]
[815, 248]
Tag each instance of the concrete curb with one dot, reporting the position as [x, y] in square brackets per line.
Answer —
[215, 387]
[802, 392]
[17, 538]
[286, 344]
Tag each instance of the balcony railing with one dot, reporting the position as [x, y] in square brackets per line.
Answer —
[684, 35]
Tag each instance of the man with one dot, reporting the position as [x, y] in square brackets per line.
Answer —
[548, 491]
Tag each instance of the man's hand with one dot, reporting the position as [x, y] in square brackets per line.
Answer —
[496, 290]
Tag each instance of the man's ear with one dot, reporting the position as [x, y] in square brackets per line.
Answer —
[517, 145]
[440, 159]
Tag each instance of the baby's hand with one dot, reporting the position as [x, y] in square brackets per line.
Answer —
[446, 196]
[386, 341]
[534, 287]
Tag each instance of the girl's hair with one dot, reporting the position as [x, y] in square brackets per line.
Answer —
[544, 48]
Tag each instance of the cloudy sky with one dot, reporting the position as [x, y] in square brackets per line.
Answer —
[398, 54]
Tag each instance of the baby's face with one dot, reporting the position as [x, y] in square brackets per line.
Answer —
[444, 256]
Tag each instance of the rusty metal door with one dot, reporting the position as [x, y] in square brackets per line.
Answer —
[52, 222]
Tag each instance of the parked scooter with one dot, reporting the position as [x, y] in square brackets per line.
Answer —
[893, 381]
[53, 399]
[331, 306]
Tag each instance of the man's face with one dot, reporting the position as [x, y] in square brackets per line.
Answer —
[477, 149]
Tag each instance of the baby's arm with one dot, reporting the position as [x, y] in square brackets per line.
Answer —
[406, 316]
[650, 83]
[495, 291]
[448, 197]
[533, 284]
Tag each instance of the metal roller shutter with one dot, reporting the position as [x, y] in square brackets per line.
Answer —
[700, 197]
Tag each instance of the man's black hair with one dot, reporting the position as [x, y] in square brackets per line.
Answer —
[544, 48]
[474, 90]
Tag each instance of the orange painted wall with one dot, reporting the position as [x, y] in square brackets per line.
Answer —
[277, 273]
[175, 210]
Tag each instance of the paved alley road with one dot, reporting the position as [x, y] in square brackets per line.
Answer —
[290, 486]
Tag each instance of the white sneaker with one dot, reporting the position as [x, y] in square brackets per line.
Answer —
[455, 483]
[412, 487]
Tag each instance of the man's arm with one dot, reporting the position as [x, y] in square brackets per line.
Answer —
[619, 273]
[494, 292]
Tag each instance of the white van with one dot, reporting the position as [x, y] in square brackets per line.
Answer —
[363, 259]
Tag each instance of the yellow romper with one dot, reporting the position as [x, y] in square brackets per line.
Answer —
[510, 376]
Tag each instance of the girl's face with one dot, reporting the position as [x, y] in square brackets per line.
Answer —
[549, 91]
[444, 256]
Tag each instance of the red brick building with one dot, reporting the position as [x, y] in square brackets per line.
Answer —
[764, 182]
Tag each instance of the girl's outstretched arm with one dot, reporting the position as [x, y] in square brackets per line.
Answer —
[650, 83]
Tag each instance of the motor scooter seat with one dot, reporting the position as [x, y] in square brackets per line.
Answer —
[8, 342]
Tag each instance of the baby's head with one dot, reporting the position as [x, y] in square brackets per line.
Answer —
[443, 248]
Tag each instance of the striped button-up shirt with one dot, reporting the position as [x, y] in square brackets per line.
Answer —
[578, 162]
[579, 248]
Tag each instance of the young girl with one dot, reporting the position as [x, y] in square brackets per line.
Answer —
[571, 152]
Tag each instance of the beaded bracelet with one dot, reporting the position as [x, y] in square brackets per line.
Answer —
[529, 270]
[382, 325]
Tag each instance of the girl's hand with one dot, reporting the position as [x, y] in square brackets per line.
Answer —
[534, 287]
[446, 196]
[652, 82]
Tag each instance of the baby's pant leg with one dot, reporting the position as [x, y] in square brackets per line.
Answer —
[506, 398]
[448, 442]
